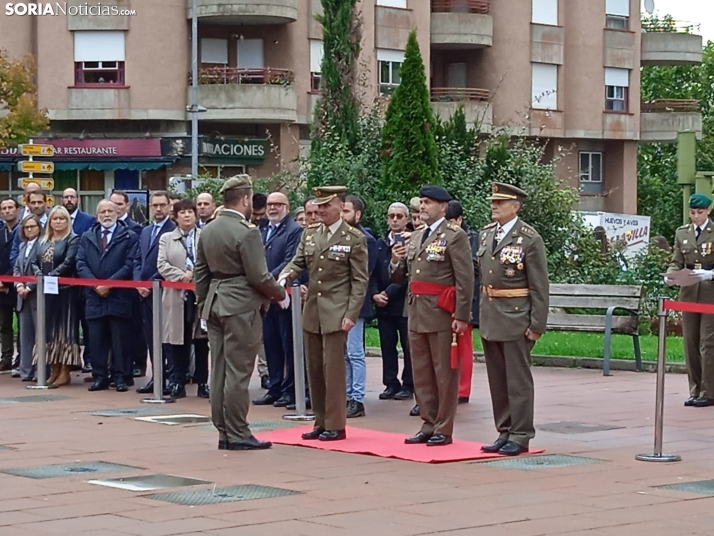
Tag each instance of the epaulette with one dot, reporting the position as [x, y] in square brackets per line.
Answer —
[527, 229]
[355, 231]
[492, 224]
[451, 226]
[685, 226]
[247, 223]
[313, 225]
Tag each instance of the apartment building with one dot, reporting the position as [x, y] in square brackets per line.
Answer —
[565, 72]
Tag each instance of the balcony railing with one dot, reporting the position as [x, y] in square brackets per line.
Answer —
[461, 6]
[237, 75]
[669, 25]
[459, 94]
[671, 105]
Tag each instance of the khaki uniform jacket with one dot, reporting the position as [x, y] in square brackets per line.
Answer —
[445, 259]
[689, 252]
[518, 262]
[231, 275]
[338, 276]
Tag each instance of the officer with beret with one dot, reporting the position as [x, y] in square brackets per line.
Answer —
[514, 311]
[232, 285]
[693, 250]
[437, 262]
[335, 253]
[414, 210]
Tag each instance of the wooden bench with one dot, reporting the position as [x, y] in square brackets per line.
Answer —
[607, 298]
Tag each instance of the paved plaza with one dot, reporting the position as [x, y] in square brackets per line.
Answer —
[589, 483]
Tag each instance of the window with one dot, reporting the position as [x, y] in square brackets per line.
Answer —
[99, 58]
[591, 167]
[392, 3]
[317, 51]
[214, 51]
[390, 62]
[250, 54]
[545, 12]
[544, 89]
[617, 82]
[617, 14]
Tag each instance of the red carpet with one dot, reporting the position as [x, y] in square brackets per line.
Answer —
[385, 445]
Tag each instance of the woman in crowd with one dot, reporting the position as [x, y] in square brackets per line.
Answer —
[56, 257]
[181, 322]
[30, 230]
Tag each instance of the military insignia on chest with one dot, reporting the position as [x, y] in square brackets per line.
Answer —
[510, 272]
[436, 251]
[706, 248]
[511, 255]
[310, 241]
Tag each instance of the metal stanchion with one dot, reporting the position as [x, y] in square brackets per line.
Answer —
[157, 364]
[657, 455]
[299, 359]
[41, 337]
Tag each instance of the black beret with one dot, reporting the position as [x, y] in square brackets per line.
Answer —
[437, 193]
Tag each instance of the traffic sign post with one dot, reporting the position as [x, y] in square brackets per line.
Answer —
[30, 166]
[45, 184]
[50, 201]
[37, 150]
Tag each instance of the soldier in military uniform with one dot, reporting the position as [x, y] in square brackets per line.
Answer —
[438, 263]
[514, 312]
[335, 253]
[693, 250]
[232, 284]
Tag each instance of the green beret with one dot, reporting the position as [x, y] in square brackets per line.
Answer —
[239, 181]
[699, 201]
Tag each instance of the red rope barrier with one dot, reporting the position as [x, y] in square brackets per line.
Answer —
[111, 283]
[688, 307]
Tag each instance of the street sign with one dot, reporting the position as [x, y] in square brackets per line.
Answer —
[50, 201]
[37, 150]
[36, 167]
[45, 184]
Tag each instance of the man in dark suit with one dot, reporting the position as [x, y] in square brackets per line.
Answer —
[36, 203]
[8, 297]
[121, 200]
[145, 269]
[81, 221]
[281, 236]
[108, 251]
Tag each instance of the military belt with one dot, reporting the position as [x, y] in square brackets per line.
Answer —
[505, 292]
[700, 266]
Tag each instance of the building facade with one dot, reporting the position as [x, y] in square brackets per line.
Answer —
[565, 72]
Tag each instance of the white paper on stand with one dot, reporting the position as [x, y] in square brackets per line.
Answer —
[51, 285]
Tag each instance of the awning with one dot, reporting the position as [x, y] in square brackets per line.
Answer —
[6, 166]
[109, 165]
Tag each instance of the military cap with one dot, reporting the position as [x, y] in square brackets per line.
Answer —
[699, 201]
[239, 181]
[414, 204]
[437, 193]
[325, 194]
[506, 192]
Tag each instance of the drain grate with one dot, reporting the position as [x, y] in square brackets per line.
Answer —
[173, 420]
[55, 471]
[33, 398]
[703, 487]
[150, 482]
[214, 496]
[549, 461]
[127, 411]
[568, 427]
[259, 426]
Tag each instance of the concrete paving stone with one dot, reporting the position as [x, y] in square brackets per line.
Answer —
[173, 527]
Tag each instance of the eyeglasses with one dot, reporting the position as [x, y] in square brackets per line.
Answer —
[160, 205]
[276, 204]
[29, 227]
[395, 216]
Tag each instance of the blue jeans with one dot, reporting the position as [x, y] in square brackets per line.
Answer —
[356, 365]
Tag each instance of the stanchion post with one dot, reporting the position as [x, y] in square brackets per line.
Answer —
[657, 455]
[41, 337]
[298, 358]
[157, 368]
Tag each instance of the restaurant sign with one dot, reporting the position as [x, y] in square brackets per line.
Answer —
[238, 151]
[75, 149]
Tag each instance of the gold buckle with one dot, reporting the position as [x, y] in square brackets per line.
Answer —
[697, 266]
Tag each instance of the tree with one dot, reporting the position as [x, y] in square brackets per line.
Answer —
[18, 97]
[409, 152]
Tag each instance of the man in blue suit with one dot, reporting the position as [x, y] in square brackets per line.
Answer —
[281, 236]
[146, 269]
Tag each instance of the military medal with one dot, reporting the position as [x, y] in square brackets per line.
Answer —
[520, 266]
[510, 272]
[707, 248]
[520, 240]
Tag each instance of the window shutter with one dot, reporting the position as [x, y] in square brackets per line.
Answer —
[621, 8]
[545, 12]
[317, 51]
[214, 51]
[250, 54]
[390, 55]
[99, 46]
[544, 88]
[617, 77]
[392, 3]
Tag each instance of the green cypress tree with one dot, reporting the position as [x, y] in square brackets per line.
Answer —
[409, 152]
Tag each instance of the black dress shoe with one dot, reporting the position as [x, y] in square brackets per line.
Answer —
[252, 443]
[138, 373]
[355, 409]
[121, 385]
[702, 402]
[495, 447]
[283, 402]
[148, 388]
[265, 382]
[463, 400]
[266, 400]
[689, 402]
[439, 440]
[333, 435]
[388, 394]
[414, 412]
[315, 433]
[178, 391]
[222, 444]
[511, 448]
[15, 374]
[418, 439]
[99, 385]
[203, 391]
[29, 379]
[87, 369]
[293, 406]
[404, 394]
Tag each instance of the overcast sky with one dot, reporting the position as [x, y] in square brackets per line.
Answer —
[701, 11]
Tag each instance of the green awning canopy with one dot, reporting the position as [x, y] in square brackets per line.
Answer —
[109, 165]
[6, 166]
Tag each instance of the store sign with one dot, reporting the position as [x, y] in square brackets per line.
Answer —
[235, 149]
[632, 231]
[75, 149]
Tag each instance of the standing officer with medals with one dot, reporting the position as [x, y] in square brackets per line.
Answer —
[693, 250]
[438, 263]
[335, 253]
[514, 312]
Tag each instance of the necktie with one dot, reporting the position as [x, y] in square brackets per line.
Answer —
[271, 232]
[425, 236]
[497, 237]
[699, 232]
[105, 239]
[154, 233]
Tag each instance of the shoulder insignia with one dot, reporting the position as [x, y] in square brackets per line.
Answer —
[247, 223]
[492, 224]
[527, 229]
[451, 226]
[314, 225]
[354, 231]
[686, 226]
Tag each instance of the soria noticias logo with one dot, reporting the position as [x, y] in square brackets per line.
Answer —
[55, 9]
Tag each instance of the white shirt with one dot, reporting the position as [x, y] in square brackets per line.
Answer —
[28, 247]
[702, 227]
[506, 228]
[111, 232]
[434, 226]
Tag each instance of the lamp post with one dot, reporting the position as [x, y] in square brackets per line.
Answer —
[194, 91]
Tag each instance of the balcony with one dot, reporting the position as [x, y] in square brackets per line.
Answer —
[477, 108]
[247, 95]
[668, 42]
[461, 24]
[662, 120]
[234, 12]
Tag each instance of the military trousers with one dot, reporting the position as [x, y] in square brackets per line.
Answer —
[508, 365]
[326, 375]
[436, 384]
[698, 332]
[234, 344]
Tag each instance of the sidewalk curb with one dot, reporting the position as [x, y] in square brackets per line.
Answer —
[577, 362]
